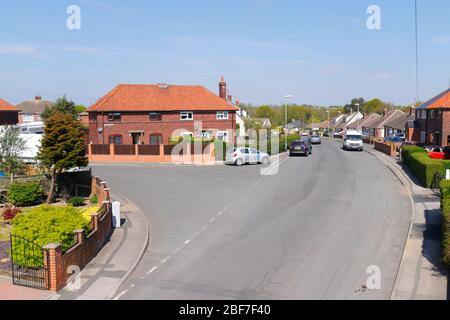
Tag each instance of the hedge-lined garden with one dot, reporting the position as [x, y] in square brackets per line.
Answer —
[445, 206]
[422, 166]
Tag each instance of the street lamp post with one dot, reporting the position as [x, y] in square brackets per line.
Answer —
[287, 98]
[328, 130]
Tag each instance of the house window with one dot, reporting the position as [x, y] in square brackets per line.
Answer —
[439, 114]
[28, 118]
[222, 115]
[114, 117]
[155, 116]
[206, 134]
[222, 136]
[115, 139]
[423, 114]
[156, 139]
[186, 116]
[431, 114]
[448, 140]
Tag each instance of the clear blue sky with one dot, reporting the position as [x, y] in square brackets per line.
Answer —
[320, 51]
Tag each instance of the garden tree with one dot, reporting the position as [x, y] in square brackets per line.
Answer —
[62, 147]
[62, 105]
[11, 145]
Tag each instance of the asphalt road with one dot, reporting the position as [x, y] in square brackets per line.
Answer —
[309, 232]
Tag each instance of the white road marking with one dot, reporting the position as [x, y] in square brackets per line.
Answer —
[187, 242]
[152, 269]
[121, 294]
[165, 260]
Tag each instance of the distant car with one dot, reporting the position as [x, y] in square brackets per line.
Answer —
[315, 139]
[241, 156]
[447, 153]
[400, 136]
[353, 140]
[393, 139]
[326, 134]
[300, 147]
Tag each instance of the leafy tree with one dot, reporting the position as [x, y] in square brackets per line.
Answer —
[11, 145]
[80, 109]
[62, 147]
[265, 112]
[62, 105]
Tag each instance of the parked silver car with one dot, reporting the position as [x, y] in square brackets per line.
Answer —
[241, 156]
[315, 139]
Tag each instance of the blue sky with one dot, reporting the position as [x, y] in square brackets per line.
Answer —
[321, 52]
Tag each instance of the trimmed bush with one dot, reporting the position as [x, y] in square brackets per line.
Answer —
[88, 212]
[76, 202]
[50, 224]
[25, 194]
[94, 199]
[445, 206]
[422, 166]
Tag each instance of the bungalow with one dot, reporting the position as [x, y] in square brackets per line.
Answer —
[153, 114]
[399, 124]
[346, 121]
[376, 128]
[432, 124]
[9, 115]
[359, 125]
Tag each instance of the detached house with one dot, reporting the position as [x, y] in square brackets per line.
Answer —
[9, 115]
[153, 114]
[432, 124]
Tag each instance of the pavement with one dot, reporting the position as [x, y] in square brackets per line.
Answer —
[313, 230]
[103, 276]
[422, 275]
[8, 291]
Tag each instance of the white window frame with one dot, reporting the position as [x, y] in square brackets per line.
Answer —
[189, 116]
[222, 115]
[224, 135]
[28, 118]
[423, 137]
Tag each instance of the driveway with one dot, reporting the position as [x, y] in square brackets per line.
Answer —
[309, 232]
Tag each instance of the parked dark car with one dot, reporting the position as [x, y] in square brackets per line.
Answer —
[447, 152]
[300, 147]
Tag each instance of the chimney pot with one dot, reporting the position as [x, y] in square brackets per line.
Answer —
[38, 98]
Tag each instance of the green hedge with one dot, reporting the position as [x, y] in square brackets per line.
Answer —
[422, 166]
[445, 206]
[25, 194]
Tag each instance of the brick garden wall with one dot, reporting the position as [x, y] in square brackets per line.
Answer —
[387, 148]
[87, 246]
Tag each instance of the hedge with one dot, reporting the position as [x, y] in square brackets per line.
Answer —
[445, 206]
[422, 166]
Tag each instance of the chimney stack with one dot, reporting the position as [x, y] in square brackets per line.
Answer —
[230, 98]
[384, 112]
[412, 110]
[223, 89]
[38, 98]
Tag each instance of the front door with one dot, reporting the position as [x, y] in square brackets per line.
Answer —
[136, 137]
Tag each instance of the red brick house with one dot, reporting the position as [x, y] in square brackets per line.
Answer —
[8, 114]
[432, 125]
[153, 114]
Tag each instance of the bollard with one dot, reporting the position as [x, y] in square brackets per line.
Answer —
[116, 214]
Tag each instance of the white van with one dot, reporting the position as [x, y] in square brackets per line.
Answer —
[353, 140]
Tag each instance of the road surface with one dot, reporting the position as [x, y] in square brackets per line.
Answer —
[309, 232]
